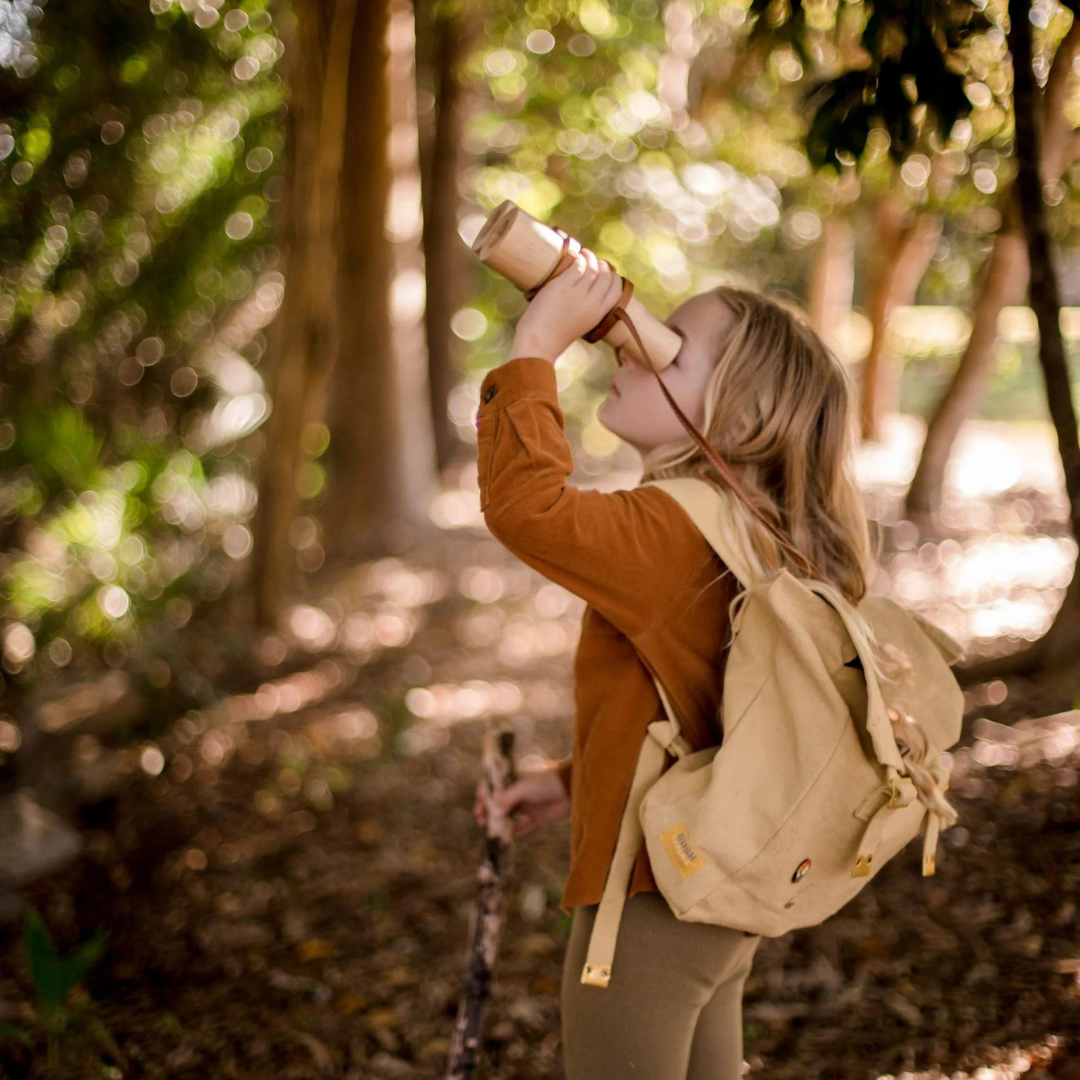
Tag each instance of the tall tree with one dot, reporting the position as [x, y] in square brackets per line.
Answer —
[1053, 658]
[381, 459]
[831, 284]
[905, 237]
[1003, 281]
[445, 35]
[351, 356]
[320, 47]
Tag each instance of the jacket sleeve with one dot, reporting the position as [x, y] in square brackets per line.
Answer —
[565, 770]
[622, 552]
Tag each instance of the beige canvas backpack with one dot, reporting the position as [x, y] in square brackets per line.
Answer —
[816, 785]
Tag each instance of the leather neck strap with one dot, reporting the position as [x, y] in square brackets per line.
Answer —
[618, 313]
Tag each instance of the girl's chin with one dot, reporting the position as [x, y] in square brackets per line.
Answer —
[607, 425]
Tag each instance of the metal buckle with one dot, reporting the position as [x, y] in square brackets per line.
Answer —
[660, 730]
[901, 797]
[862, 865]
[598, 976]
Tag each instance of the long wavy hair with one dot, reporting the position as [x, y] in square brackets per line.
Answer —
[780, 410]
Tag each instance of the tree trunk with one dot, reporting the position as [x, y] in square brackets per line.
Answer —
[831, 284]
[1004, 281]
[1045, 297]
[381, 458]
[321, 41]
[905, 240]
[446, 38]
[1056, 653]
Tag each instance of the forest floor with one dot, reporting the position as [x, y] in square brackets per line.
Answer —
[287, 879]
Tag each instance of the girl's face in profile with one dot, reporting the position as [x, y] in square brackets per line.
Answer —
[635, 408]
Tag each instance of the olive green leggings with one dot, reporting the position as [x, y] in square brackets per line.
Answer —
[673, 1008]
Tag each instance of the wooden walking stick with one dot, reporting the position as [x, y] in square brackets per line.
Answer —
[526, 252]
[485, 926]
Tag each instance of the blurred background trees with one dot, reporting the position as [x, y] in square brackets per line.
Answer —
[242, 330]
[142, 149]
[252, 618]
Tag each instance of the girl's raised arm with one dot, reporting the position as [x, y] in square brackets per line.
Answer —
[623, 552]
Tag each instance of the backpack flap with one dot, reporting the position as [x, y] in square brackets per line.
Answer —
[932, 695]
[931, 709]
[949, 647]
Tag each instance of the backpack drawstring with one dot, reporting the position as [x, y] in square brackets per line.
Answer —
[930, 780]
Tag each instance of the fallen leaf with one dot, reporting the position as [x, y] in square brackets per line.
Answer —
[315, 949]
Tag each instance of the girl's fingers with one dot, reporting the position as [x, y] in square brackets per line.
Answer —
[539, 815]
[614, 289]
[607, 283]
[518, 804]
[600, 269]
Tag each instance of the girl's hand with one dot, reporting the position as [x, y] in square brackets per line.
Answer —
[567, 307]
[534, 799]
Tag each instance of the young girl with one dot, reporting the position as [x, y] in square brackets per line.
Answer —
[763, 389]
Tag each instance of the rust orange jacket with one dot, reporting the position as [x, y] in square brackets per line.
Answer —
[656, 602]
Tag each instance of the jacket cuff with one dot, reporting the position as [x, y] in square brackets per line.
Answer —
[522, 377]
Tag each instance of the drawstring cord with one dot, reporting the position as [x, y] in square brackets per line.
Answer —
[930, 780]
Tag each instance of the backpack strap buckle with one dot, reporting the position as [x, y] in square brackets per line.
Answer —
[599, 975]
[903, 793]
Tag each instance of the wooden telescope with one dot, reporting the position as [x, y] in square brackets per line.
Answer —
[525, 251]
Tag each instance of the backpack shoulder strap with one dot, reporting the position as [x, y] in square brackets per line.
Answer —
[707, 508]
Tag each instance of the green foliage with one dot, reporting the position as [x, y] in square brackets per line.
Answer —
[113, 541]
[915, 69]
[55, 976]
[140, 155]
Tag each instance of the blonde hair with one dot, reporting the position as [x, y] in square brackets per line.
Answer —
[779, 409]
